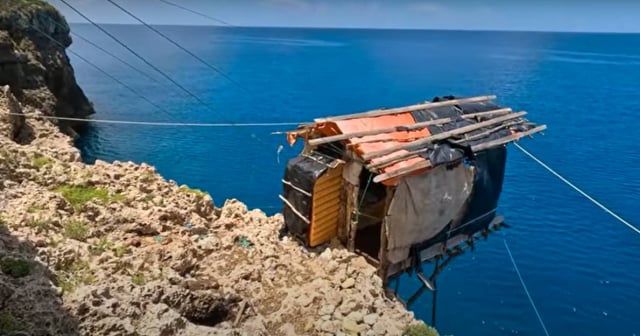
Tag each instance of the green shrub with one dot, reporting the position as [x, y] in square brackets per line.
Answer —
[197, 192]
[419, 329]
[34, 209]
[38, 224]
[78, 195]
[138, 279]
[40, 161]
[8, 323]
[120, 251]
[72, 275]
[101, 246]
[16, 268]
[76, 229]
[27, 5]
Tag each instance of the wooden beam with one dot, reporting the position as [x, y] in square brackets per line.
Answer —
[294, 210]
[402, 171]
[507, 139]
[488, 132]
[381, 112]
[392, 160]
[420, 125]
[476, 148]
[440, 136]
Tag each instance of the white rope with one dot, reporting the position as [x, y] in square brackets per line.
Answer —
[632, 227]
[525, 288]
[156, 123]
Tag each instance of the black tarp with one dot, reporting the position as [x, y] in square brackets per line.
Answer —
[446, 152]
[480, 208]
[302, 171]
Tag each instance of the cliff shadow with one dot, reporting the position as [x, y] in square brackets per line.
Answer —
[25, 135]
[29, 302]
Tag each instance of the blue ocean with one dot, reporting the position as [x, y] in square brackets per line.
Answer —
[580, 265]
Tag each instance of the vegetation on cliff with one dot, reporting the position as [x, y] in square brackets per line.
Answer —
[26, 5]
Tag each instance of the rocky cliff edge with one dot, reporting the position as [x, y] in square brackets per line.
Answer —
[115, 249]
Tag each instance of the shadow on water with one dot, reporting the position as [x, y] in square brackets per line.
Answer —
[88, 142]
[30, 304]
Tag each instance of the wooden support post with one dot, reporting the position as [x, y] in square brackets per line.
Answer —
[381, 112]
[384, 240]
[352, 222]
[343, 217]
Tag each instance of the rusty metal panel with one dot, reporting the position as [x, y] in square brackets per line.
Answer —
[325, 210]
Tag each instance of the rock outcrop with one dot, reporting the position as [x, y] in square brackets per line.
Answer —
[115, 249]
[33, 61]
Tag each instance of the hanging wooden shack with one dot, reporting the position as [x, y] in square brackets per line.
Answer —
[405, 185]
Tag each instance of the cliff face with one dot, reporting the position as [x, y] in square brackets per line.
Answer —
[115, 249]
[33, 62]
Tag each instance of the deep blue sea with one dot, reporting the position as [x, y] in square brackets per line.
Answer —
[581, 266]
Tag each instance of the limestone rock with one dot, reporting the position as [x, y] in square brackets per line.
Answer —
[146, 256]
[350, 282]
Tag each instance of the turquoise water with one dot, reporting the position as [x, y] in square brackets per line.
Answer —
[581, 266]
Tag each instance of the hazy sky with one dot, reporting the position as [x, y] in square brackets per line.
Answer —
[560, 15]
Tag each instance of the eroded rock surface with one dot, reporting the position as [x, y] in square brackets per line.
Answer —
[115, 249]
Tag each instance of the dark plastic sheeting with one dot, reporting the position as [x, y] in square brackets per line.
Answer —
[302, 172]
[446, 152]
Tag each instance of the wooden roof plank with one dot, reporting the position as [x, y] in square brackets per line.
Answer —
[416, 126]
[476, 148]
[402, 171]
[381, 112]
[510, 138]
[441, 136]
[395, 159]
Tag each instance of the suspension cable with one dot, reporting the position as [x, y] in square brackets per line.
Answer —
[97, 46]
[197, 13]
[205, 63]
[567, 182]
[134, 91]
[114, 56]
[153, 123]
[139, 56]
[526, 291]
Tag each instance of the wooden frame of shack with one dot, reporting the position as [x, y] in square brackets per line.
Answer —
[402, 186]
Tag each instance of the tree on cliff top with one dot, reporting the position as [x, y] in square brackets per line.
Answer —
[28, 5]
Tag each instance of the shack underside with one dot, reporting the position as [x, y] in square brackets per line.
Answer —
[405, 185]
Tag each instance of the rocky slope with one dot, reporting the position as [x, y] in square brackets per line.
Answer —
[115, 249]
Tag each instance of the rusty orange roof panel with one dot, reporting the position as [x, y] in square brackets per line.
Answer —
[372, 143]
